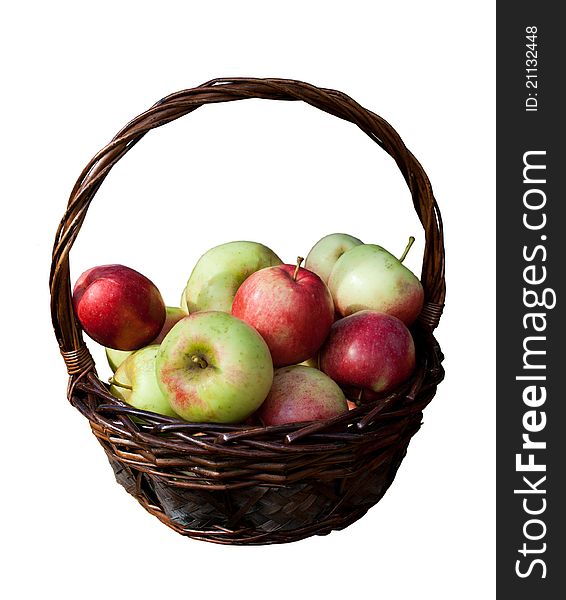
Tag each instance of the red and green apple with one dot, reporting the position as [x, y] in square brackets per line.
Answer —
[291, 308]
[301, 394]
[369, 277]
[214, 368]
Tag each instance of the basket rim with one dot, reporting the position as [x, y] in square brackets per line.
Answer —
[111, 418]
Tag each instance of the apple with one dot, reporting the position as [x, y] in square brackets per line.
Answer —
[118, 307]
[300, 394]
[291, 308]
[324, 254]
[369, 277]
[214, 368]
[116, 357]
[172, 315]
[370, 350]
[219, 273]
[135, 382]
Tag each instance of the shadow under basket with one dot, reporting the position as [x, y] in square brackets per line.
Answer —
[242, 484]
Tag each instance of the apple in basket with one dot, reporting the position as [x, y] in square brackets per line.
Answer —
[324, 254]
[214, 367]
[291, 308]
[369, 277]
[301, 394]
[219, 273]
[369, 350]
[135, 382]
[118, 307]
[172, 315]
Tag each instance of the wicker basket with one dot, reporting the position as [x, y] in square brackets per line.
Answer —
[241, 484]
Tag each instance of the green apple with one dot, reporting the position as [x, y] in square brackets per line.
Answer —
[214, 368]
[369, 277]
[116, 357]
[172, 315]
[219, 273]
[327, 251]
[135, 382]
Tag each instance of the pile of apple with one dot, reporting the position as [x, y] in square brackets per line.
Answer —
[255, 340]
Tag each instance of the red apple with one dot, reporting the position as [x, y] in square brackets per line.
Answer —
[300, 394]
[370, 350]
[118, 307]
[290, 307]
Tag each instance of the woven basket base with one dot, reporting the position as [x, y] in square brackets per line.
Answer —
[260, 514]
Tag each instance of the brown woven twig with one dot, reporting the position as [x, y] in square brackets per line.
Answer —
[237, 484]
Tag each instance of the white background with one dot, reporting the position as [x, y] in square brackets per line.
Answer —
[280, 173]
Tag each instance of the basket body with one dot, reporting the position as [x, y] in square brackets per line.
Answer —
[245, 484]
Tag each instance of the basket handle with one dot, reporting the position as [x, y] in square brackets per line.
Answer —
[67, 329]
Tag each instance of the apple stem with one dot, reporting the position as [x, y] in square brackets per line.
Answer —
[299, 261]
[115, 383]
[199, 361]
[408, 247]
